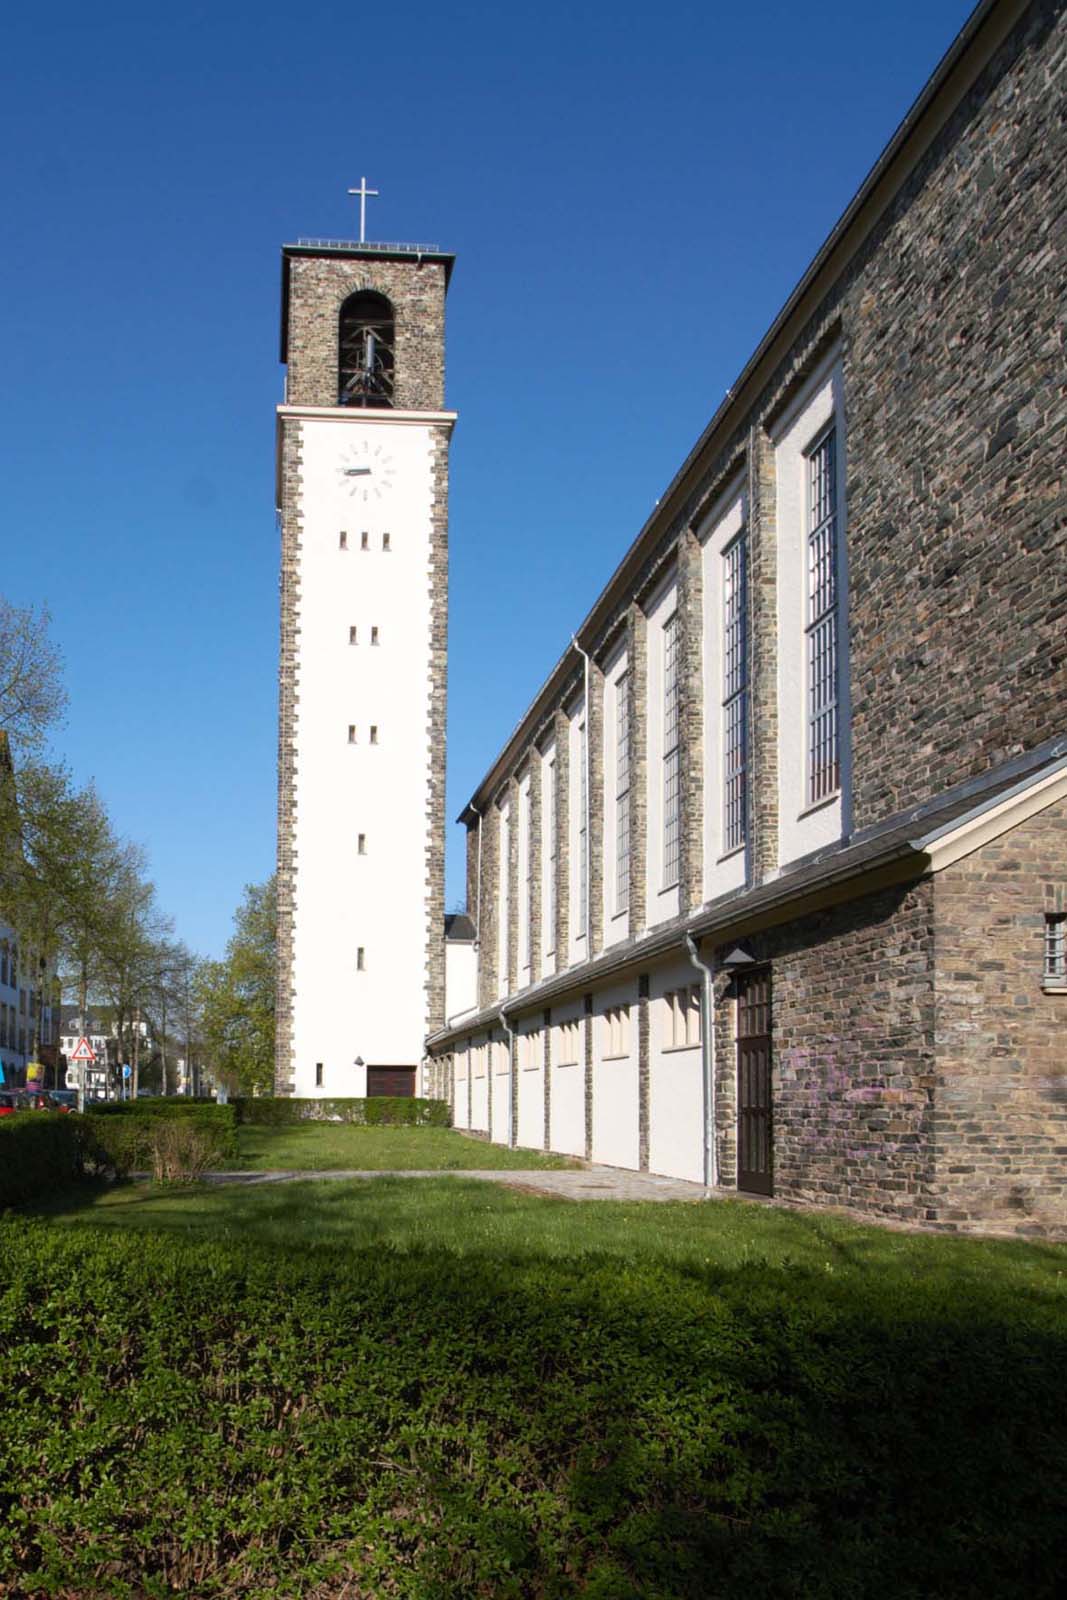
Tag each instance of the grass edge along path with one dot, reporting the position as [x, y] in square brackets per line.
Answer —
[336, 1146]
[453, 1391]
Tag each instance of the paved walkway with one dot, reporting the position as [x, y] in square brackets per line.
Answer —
[584, 1183]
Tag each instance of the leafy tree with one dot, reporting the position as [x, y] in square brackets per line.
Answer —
[236, 996]
[32, 696]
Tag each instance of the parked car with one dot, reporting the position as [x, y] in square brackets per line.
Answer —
[34, 1100]
[63, 1099]
[8, 1103]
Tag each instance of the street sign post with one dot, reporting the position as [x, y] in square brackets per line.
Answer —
[83, 1054]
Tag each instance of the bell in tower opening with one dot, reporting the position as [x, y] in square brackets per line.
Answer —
[365, 345]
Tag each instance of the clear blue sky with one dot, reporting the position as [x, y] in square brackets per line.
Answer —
[631, 192]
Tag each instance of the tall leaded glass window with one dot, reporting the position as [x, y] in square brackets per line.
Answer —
[583, 835]
[734, 693]
[552, 853]
[622, 793]
[824, 771]
[672, 755]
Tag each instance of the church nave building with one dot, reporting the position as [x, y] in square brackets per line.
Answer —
[769, 886]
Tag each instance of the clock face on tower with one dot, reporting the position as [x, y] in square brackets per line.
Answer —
[365, 471]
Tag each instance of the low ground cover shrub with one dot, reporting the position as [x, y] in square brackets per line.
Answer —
[862, 1419]
[372, 1111]
[44, 1152]
[134, 1134]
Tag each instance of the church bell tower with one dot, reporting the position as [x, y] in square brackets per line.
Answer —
[362, 487]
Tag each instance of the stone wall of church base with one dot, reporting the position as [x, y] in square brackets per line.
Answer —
[1000, 1121]
[852, 1005]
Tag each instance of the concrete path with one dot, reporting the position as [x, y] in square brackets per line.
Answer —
[584, 1183]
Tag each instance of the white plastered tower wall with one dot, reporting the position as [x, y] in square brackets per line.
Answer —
[362, 751]
[363, 507]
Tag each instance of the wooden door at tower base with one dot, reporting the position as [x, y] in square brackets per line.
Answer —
[755, 1122]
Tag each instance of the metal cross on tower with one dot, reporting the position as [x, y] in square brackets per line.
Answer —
[364, 193]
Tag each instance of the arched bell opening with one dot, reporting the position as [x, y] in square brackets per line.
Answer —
[365, 346]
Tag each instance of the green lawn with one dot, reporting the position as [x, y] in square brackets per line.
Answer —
[442, 1390]
[322, 1146]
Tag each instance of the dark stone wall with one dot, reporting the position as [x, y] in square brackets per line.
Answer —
[852, 1006]
[290, 484]
[1000, 1126]
[956, 412]
[319, 285]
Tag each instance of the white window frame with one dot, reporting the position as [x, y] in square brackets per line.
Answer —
[822, 622]
[682, 1018]
[671, 838]
[816, 412]
[550, 891]
[622, 792]
[616, 1033]
[733, 566]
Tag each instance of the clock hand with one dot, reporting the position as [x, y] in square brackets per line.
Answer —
[356, 472]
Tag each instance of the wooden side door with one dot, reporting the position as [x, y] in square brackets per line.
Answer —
[755, 1112]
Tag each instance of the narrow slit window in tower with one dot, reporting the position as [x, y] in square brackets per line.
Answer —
[374, 635]
[342, 540]
[353, 636]
[387, 541]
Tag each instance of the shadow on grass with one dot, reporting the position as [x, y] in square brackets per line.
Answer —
[849, 1414]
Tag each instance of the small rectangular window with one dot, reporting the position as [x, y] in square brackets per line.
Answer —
[682, 1028]
[387, 541]
[361, 844]
[374, 636]
[360, 966]
[1056, 949]
[373, 733]
[351, 733]
[364, 541]
[617, 1031]
[318, 1074]
[342, 540]
[353, 636]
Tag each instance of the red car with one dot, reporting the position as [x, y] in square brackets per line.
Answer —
[8, 1103]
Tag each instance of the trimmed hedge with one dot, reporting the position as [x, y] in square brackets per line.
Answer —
[42, 1152]
[375, 1111]
[153, 1106]
[126, 1131]
[229, 1421]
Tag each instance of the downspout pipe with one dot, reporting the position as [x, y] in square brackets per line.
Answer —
[587, 742]
[707, 1052]
[512, 1120]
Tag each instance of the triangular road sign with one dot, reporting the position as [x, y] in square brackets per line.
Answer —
[83, 1051]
